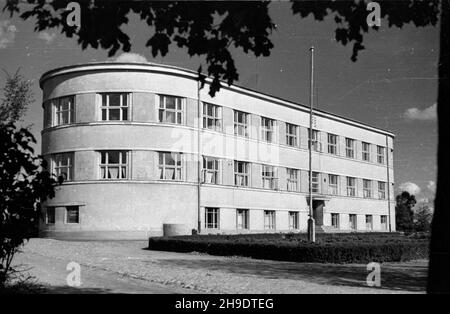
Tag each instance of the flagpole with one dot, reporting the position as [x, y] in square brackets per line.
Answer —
[311, 222]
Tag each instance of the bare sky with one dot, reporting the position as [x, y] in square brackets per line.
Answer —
[393, 85]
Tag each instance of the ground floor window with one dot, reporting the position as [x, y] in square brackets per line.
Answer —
[369, 222]
[212, 218]
[50, 215]
[384, 225]
[352, 221]
[335, 220]
[242, 219]
[72, 215]
[269, 219]
[293, 220]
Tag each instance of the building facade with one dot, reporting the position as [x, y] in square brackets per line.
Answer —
[140, 146]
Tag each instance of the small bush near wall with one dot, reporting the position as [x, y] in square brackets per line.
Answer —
[336, 248]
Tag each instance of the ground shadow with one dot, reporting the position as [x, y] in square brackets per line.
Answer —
[394, 276]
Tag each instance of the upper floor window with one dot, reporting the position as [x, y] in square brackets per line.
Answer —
[367, 188]
[170, 166]
[210, 170]
[315, 182]
[269, 179]
[63, 165]
[115, 106]
[291, 134]
[170, 109]
[316, 144]
[292, 179]
[241, 173]
[64, 110]
[212, 117]
[241, 122]
[267, 129]
[349, 148]
[380, 154]
[332, 144]
[381, 190]
[114, 164]
[351, 186]
[333, 184]
[365, 151]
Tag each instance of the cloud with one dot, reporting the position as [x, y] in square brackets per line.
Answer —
[410, 187]
[431, 186]
[7, 33]
[47, 37]
[427, 114]
[131, 57]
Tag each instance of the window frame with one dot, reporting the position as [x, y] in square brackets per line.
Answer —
[271, 179]
[335, 220]
[382, 191]
[245, 219]
[217, 120]
[238, 125]
[350, 150]
[367, 188]
[381, 156]
[57, 114]
[245, 175]
[293, 224]
[290, 180]
[333, 188]
[271, 223]
[215, 212]
[121, 165]
[292, 138]
[332, 148]
[350, 221]
[66, 215]
[57, 166]
[315, 186]
[215, 171]
[351, 189]
[107, 107]
[177, 168]
[365, 151]
[178, 111]
[268, 129]
[384, 223]
[316, 143]
[369, 222]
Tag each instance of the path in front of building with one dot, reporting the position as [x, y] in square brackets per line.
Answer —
[127, 267]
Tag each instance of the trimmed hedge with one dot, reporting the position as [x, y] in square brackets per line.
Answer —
[356, 248]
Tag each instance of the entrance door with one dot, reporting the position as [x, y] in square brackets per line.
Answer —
[318, 211]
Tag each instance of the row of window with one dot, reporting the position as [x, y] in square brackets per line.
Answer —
[212, 220]
[116, 107]
[114, 164]
[71, 215]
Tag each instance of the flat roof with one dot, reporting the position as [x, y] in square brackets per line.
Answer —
[173, 70]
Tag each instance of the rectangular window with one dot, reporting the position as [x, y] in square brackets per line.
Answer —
[267, 129]
[315, 182]
[63, 166]
[72, 215]
[335, 220]
[351, 186]
[332, 144]
[316, 144]
[384, 224]
[269, 219]
[211, 218]
[212, 117]
[367, 188]
[50, 215]
[381, 190]
[241, 123]
[170, 166]
[64, 110]
[210, 170]
[380, 154]
[353, 222]
[115, 106]
[291, 135]
[241, 173]
[170, 109]
[365, 151]
[242, 218]
[292, 179]
[333, 184]
[269, 177]
[293, 220]
[369, 222]
[114, 165]
[350, 148]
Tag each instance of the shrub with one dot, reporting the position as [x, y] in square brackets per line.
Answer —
[349, 248]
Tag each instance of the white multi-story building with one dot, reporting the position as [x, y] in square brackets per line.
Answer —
[129, 139]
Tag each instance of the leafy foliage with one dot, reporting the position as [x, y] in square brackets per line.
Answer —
[422, 218]
[24, 184]
[17, 97]
[404, 215]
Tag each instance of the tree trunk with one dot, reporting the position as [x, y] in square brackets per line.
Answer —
[439, 268]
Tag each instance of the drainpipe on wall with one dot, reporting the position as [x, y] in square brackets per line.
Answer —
[388, 183]
[199, 159]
